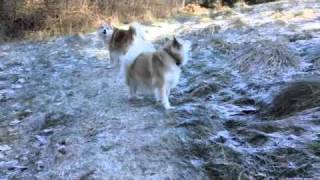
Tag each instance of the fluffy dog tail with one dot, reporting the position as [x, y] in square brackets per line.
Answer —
[138, 46]
[138, 29]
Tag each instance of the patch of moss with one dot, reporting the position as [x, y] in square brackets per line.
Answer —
[224, 171]
[234, 124]
[268, 128]
[56, 119]
[286, 163]
[315, 147]
[255, 138]
[244, 101]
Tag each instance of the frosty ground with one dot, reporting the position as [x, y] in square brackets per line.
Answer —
[247, 105]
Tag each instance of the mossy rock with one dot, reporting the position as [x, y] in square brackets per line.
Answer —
[296, 97]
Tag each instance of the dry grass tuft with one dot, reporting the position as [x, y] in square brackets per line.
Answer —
[305, 14]
[194, 9]
[265, 57]
[296, 97]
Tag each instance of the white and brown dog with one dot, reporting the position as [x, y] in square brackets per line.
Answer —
[121, 40]
[158, 71]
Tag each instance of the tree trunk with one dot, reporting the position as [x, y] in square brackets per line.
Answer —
[183, 3]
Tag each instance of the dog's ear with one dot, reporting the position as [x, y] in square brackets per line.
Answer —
[176, 43]
[132, 30]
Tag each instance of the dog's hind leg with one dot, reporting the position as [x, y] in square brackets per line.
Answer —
[133, 93]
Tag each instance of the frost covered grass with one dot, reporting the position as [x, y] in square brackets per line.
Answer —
[265, 56]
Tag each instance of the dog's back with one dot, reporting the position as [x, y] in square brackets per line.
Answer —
[121, 40]
[126, 45]
[147, 70]
[153, 70]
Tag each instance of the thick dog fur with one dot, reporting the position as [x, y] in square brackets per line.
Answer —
[158, 71]
[122, 40]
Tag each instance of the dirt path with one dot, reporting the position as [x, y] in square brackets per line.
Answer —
[123, 140]
[73, 118]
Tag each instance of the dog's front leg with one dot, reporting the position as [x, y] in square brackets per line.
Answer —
[164, 98]
[156, 92]
[168, 91]
[132, 92]
[114, 58]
